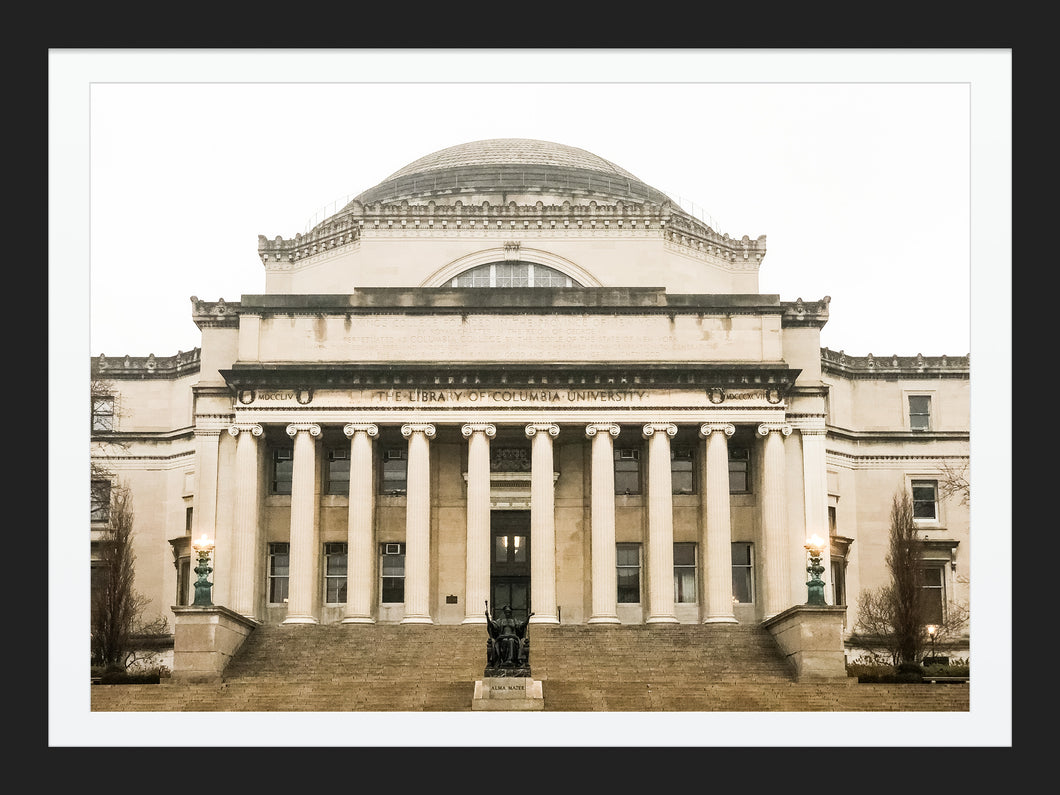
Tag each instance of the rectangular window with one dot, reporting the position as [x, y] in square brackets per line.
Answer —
[279, 572]
[684, 572]
[189, 514]
[682, 471]
[925, 500]
[183, 579]
[920, 412]
[933, 595]
[100, 501]
[739, 470]
[395, 472]
[627, 470]
[282, 470]
[627, 561]
[831, 520]
[338, 478]
[103, 413]
[335, 562]
[742, 573]
[392, 568]
[839, 588]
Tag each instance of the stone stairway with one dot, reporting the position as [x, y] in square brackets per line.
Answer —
[430, 668]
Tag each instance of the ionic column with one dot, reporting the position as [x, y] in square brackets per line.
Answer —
[717, 524]
[360, 533]
[418, 524]
[602, 520]
[302, 593]
[542, 524]
[776, 561]
[660, 524]
[204, 507]
[246, 539]
[815, 492]
[477, 571]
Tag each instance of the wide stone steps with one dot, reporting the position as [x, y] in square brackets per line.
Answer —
[430, 668]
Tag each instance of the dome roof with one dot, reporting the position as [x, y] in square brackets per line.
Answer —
[553, 172]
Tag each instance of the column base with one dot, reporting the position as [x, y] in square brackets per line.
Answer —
[474, 620]
[662, 620]
[544, 620]
[720, 620]
[300, 620]
[358, 620]
[417, 620]
[604, 620]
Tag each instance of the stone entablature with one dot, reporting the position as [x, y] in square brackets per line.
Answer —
[719, 384]
[890, 366]
[151, 366]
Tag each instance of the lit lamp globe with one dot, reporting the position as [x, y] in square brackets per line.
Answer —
[932, 631]
[203, 547]
[815, 545]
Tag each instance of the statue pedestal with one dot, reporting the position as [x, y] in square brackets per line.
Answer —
[508, 693]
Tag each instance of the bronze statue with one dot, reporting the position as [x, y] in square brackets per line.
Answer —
[508, 647]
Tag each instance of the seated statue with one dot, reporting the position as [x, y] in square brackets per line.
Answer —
[508, 645]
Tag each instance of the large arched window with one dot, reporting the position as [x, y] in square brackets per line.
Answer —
[513, 274]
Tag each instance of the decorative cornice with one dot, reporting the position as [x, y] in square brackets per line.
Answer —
[356, 220]
[839, 363]
[813, 314]
[143, 367]
[217, 314]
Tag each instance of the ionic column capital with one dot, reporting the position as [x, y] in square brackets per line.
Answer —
[545, 427]
[242, 427]
[779, 427]
[707, 428]
[360, 427]
[601, 427]
[425, 428]
[310, 427]
[487, 428]
[665, 427]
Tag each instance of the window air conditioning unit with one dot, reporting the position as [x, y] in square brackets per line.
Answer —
[629, 454]
[394, 455]
[393, 549]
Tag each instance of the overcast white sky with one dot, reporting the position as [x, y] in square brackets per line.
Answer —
[862, 188]
[880, 178]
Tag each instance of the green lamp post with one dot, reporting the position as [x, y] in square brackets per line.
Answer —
[816, 546]
[203, 547]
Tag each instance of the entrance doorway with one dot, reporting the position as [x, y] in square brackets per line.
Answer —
[510, 563]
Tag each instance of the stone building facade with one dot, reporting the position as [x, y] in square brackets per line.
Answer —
[514, 373]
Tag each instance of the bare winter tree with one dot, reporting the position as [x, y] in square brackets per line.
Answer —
[116, 607]
[104, 416]
[954, 481]
[890, 618]
[907, 581]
